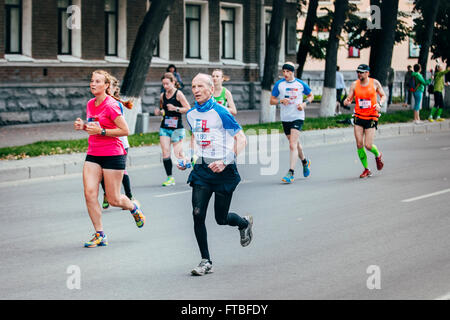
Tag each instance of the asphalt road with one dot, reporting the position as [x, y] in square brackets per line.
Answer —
[330, 236]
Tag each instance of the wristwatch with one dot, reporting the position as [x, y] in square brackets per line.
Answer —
[103, 132]
[178, 109]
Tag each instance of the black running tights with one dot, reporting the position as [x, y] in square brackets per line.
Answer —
[200, 200]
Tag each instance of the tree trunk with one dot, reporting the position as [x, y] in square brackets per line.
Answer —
[305, 42]
[383, 45]
[429, 16]
[328, 103]
[267, 113]
[141, 57]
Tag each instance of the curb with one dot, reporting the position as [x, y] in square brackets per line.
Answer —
[59, 165]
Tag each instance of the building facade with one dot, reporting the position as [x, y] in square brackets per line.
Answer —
[49, 48]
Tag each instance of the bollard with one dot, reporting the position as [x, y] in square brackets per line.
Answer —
[142, 122]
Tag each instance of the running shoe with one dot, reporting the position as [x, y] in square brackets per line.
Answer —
[289, 178]
[169, 182]
[379, 161]
[203, 268]
[97, 241]
[440, 119]
[138, 216]
[246, 233]
[306, 171]
[105, 204]
[366, 173]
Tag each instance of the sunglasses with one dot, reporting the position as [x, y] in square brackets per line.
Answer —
[360, 72]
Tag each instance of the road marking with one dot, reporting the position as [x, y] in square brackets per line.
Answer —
[171, 194]
[445, 148]
[444, 297]
[186, 191]
[427, 195]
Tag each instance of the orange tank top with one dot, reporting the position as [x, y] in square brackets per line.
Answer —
[366, 98]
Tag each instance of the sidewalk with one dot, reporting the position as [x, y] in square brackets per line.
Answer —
[58, 165]
[16, 135]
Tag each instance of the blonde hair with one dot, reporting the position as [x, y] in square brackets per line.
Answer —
[116, 94]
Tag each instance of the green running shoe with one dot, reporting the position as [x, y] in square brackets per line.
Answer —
[169, 182]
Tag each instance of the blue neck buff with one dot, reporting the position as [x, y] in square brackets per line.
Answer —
[205, 106]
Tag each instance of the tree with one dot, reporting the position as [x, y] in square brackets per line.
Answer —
[424, 28]
[328, 103]
[306, 41]
[141, 56]
[440, 45]
[268, 113]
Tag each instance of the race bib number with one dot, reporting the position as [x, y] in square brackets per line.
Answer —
[203, 139]
[364, 103]
[171, 122]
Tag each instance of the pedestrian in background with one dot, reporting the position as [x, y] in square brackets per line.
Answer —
[340, 87]
[407, 86]
[418, 89]
[390, 83]
[438, 95]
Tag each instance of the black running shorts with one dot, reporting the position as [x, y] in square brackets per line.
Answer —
[288, 125]
[366, 124]
[109, 162]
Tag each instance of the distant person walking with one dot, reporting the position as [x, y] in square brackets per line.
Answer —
[106, 156]
[438, 93]
[407, 85]
[340, 87]
[390, 83]
[172, 69]
[418, 89]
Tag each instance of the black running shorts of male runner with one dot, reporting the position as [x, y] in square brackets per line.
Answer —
[366, 124]
[109, 162]
[288, 125]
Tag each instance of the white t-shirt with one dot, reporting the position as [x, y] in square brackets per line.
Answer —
[294, 91]
[214, 128]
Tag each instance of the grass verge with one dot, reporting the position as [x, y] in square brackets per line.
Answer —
[42, 148]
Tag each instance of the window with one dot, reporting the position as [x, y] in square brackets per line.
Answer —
[413, 48]
[111, 22]
[291, 36]
[227, 17]
[13, 26]
[267, 17]
[193, 31]
[64, 33]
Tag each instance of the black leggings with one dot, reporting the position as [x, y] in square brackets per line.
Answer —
[222, 201]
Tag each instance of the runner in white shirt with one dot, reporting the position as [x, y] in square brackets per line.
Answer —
[218, 139]
[288, 93]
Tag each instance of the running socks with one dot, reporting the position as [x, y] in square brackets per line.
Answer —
[127, 186]
[134, 210]
[433, 111]
[375, 151]
[168, 166]
[363, 157]
[101, 233]
[291, 171]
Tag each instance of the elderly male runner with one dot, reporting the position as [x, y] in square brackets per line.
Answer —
[218, 140]
[367, 109]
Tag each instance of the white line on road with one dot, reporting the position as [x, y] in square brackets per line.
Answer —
[427, 195]
[444, 297]
[445, 148]
[186, 191]
[171, 194]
